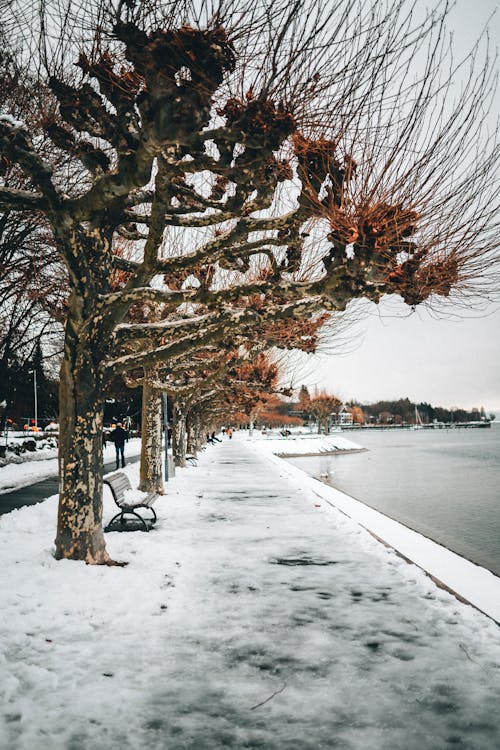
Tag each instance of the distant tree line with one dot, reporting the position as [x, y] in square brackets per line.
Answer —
[403, 411]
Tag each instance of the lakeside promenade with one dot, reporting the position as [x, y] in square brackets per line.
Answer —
[255, 615]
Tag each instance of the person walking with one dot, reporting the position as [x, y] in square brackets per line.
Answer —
[119, 436]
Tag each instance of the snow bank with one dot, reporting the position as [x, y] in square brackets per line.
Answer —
[21, 474]
[41, 454]
[307, 445]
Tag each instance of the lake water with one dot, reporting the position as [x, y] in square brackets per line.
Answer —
[443, 483]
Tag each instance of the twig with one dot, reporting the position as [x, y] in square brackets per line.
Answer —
[461, 645]
[276, 692]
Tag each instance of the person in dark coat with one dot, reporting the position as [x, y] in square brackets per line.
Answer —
[119, 436]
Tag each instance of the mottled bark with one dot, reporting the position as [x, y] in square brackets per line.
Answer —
[191, 438]
[79, 529]
[81, 395]
[196, 432]
[151, 476]
[199, 432]
[179, 438]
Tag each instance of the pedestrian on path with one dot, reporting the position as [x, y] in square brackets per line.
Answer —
[119, 436]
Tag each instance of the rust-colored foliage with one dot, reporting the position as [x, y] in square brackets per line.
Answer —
[219, 187]
[175, 279]
[270, 417]
[296, 334]
[323, 405]
[283, 170]
[120, 84]
[204, 274]
[91, 157]
[384, 227]
[261, 370]
[344, 230]
[261, 117]
[317, 161]
[358, 415]
[254, 386]
[118, 278]
[161, 54]
[316, 158]
[416, 280]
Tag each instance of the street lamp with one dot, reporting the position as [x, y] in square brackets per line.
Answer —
[36, 399]
[3, 411]
[35, 395]
[165, 426]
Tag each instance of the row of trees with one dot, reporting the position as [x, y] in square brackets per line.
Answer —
[211, 183]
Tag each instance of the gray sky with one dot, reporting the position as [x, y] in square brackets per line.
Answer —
[444, 362]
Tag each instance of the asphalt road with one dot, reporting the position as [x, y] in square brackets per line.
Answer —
[36, 493]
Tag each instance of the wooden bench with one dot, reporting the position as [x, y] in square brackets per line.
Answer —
[190, 459]
[118, 484]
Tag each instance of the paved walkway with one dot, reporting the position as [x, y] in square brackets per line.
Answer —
[253, 616]
[359, 649]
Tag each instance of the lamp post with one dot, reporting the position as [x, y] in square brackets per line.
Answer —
[36, 398]
[35, 395]
[3, 411]
[165, 426]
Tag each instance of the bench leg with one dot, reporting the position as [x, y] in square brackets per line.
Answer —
[118, 515]
[141, 519]
[122, 518]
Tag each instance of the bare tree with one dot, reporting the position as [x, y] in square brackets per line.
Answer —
[323, 406]
[299, 134]
[32, 288]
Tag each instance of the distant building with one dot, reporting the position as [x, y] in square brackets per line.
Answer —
[343, 417]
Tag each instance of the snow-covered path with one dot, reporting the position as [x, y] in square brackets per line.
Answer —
[254, 616]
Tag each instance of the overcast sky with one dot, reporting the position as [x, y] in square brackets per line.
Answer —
[444, 362]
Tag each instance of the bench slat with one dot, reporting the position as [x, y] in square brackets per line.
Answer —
[118, 483]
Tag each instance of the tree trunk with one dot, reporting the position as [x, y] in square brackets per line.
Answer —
[200, 433]
[79, 528]
[197, 431]
[151, 476]
[191, 438]
[179, 434]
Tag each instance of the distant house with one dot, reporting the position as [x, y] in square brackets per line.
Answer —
[343, 417]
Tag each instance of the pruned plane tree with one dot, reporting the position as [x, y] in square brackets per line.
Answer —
[295, 139]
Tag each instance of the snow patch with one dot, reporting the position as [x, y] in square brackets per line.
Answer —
[255, 614]
[10, 120]
[307, 445]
